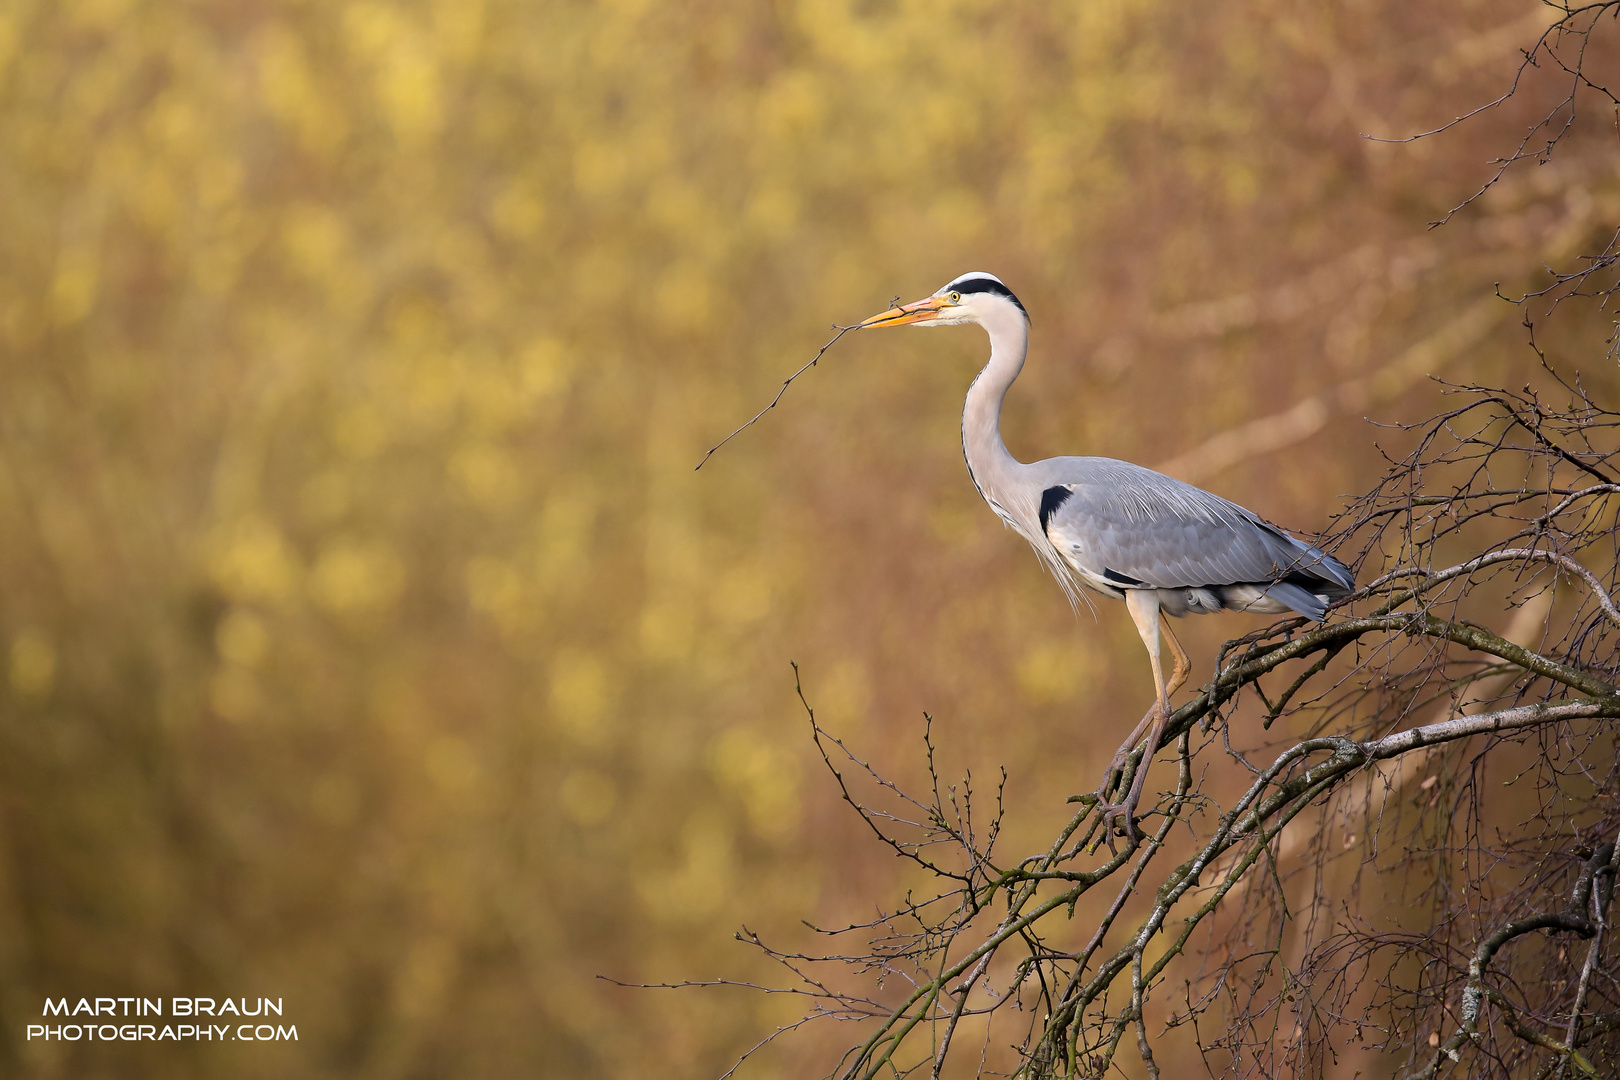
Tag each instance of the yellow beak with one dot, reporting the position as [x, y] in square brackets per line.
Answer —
[921, 311]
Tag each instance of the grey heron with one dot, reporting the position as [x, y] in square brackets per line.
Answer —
[1119, 529]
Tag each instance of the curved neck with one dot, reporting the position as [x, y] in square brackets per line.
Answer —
[987, 457]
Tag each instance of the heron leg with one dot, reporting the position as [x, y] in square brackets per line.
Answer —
[1116, 767]
[1157, 716]
[1144, 608]
[1183, 666]
[1178, 677]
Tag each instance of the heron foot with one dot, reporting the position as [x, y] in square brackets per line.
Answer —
[1118, 771]
[1119, 819]
[1122, 778]
[1121, 816]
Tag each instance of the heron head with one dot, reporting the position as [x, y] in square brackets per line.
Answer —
[970, 298]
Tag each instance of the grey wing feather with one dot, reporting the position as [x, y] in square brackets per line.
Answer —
[1162, 532]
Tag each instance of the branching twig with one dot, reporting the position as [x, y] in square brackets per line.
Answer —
[787, 382]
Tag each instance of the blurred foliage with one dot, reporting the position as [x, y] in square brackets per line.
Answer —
[369, 640]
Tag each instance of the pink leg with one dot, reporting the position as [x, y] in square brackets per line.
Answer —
[1144, 609]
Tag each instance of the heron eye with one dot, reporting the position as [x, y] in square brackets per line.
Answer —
[956, 298]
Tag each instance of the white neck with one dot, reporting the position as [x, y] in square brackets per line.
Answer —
[988, 460]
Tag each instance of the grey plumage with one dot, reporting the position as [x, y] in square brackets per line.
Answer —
[1122, 530]
[1198, 551]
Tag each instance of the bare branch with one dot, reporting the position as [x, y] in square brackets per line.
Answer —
[787, 382]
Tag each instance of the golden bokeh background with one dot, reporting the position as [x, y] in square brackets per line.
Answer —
[370, 641]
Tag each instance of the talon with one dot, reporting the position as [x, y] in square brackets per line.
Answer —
[1111, 817]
